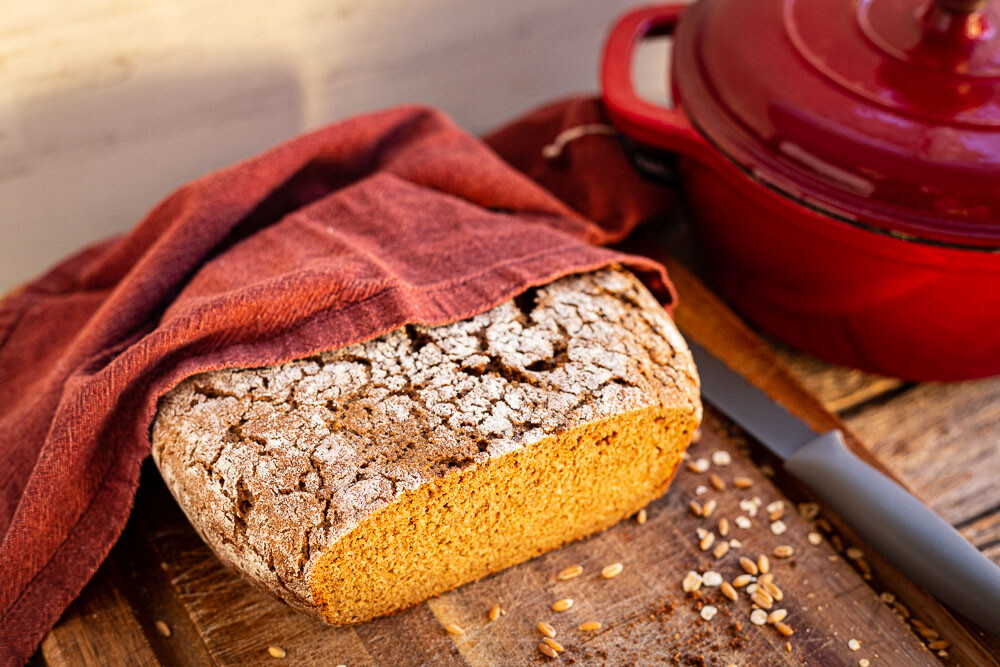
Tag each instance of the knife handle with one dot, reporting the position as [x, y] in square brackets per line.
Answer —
[904, 530]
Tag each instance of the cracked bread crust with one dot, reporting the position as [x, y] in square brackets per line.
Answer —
[274, 464]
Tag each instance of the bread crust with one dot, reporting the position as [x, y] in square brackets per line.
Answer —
[274, 464]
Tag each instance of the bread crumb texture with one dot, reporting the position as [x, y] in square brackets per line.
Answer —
[359, 482]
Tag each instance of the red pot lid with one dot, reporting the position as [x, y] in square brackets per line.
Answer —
[882, 112]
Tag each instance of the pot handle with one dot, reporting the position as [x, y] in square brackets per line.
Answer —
[651, 124]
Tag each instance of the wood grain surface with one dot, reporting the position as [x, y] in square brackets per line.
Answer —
[161, 570]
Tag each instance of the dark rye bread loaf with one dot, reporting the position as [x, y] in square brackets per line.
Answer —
[362, 481]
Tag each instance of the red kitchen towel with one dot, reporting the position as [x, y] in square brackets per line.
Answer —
[332, 238]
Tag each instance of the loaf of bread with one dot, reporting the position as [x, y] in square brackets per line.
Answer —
[362, 481]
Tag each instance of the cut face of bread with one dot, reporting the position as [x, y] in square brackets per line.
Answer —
[362, 481]
[462, 526]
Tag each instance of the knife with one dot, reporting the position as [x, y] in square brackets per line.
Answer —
[910, 535]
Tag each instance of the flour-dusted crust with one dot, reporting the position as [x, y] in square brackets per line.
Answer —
[274, 464]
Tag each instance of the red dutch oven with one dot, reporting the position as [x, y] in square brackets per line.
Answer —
[842, 161]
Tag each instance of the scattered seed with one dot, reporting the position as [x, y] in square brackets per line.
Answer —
[700, 532]
[699, 466]
[553, 644]
[863, 662]
[707, 542]
[783, 551]
[748, 565]
[728, 590]
[742, 482]
[612, 570]
[570, 572]
[778, 527]
[709, 507]
[788, 647]
[855, 553]
[887, 597]
[917, 623]
[276, 651]
[547, 650]
[763, 564]
[723, 526]
[815, 539]
[640, 518]
[494, 612]
[773, 590]
[742, 580]
[762, 599]
[711, 578]
[776, 506]
[784, 629]
[758, 617]
[453, 629]
[901, 609]
[743, 522]
[562, 605]
[692, 582]
[749, 507]
[777, 615]
[546, 629]
[928, 633]
[720, 549]
[943, 654]
[939, 644]
[717, 483]
[766, 470]
[708, 612]
[696, 436]
[853, 644]
[695, 507]
[735, 543]
[765, 577]
[824, 525]
[751, 589]
[163, 628]
[837, 543]
[721, 458]
[700, 490]
[590, 626]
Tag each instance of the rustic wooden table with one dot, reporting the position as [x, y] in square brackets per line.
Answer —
[161, 596]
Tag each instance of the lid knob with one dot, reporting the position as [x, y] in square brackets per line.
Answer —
[962, 23]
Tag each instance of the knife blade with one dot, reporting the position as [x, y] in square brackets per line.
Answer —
[895, 523]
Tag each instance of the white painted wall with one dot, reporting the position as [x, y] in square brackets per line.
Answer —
[107, 105]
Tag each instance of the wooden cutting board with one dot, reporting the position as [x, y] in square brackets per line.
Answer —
[162, 597]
